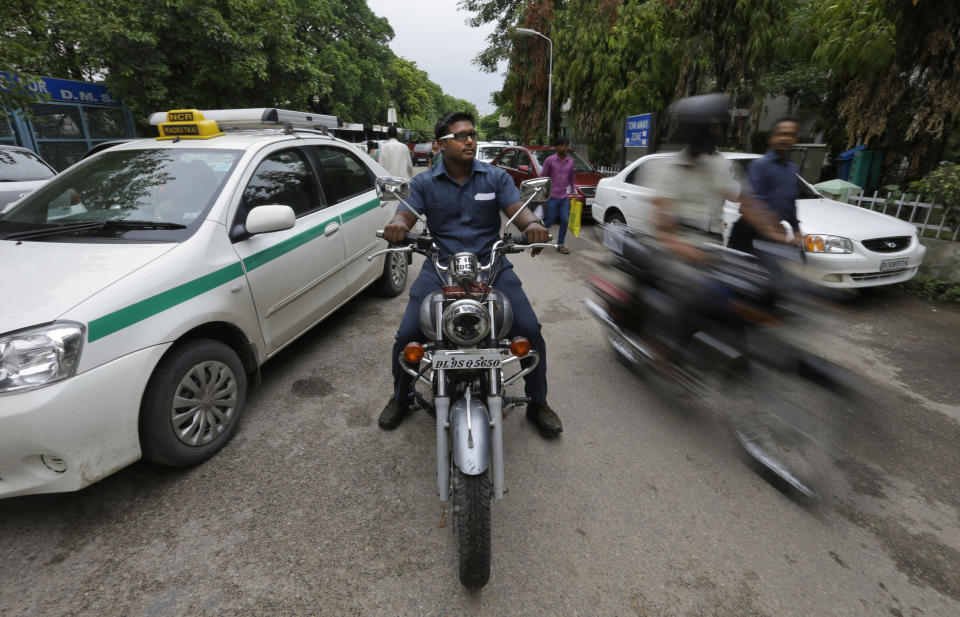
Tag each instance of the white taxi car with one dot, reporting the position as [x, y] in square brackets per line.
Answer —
[846, 246]
[145, 285]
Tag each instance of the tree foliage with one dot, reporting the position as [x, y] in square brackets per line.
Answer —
[614, 59]
[896, 69]
[328, 56]
[881, 72]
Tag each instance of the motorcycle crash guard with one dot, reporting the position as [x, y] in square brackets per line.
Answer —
[471, 448]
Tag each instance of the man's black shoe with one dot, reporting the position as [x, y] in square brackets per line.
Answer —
[393, 414]
[546, 419]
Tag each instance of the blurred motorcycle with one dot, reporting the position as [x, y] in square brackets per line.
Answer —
[779, 400]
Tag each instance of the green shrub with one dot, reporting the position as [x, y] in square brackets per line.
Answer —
[934, 289]
[941, 185]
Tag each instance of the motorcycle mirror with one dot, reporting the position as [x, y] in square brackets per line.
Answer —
[390, 188]
[536, 188]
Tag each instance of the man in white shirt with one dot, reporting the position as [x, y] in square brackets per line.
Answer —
[395, 157]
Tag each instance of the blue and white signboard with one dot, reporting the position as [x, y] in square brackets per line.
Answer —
[639, 131]
[69, 91]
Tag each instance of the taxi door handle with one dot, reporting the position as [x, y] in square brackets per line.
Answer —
[331, 229]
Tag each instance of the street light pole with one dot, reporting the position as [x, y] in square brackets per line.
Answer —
[529, 32]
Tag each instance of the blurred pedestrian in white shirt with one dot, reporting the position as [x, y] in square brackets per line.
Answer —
[395, 157]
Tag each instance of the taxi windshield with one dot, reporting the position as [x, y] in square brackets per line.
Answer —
[579, 163]
[153, 194]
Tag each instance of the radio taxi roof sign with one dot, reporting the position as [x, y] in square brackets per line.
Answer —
[639, 131]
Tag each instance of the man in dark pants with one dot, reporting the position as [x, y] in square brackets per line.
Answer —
[462, 199]
[773, 180]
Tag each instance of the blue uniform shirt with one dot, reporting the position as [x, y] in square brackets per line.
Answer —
[463, 217]
[774, 182]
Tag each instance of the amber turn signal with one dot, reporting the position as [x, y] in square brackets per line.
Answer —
[519, 347]
[413, 353]
[813, 244]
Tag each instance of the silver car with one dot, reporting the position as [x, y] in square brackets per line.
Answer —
[21, 171]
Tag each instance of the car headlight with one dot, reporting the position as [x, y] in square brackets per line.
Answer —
[39, 356]
[827, 244]
[466, 322]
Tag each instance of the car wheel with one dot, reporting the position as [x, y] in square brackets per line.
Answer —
[192, 403]
[614, 218]
[393, 280]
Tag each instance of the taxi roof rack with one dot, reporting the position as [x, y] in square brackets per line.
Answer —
[261, 118]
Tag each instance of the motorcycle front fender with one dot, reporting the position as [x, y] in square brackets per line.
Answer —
[471, 444]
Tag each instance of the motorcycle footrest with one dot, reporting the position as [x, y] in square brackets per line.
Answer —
[515, 400]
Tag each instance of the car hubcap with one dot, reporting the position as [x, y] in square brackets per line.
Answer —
[204, 403]
[396, 268]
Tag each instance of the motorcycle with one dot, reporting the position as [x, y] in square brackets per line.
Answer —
[465, 363]
[777, 397]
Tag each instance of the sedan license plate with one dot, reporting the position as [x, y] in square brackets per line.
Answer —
[893, 264]
[462, 360]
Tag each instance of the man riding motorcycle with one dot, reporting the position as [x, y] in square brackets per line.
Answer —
[462, 199]
[689, 190]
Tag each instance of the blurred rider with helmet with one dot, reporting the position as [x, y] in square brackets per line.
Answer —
[690, 188]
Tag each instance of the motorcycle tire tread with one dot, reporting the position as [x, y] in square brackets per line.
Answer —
[473, 529]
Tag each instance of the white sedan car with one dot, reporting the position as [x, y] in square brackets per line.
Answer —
[846, 246]
[144, 286]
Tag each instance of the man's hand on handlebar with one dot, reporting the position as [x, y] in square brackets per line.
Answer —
[536, 234]
[395, 232]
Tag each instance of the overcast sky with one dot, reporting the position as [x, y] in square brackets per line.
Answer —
[433, 33]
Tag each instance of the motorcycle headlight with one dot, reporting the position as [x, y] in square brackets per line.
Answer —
[466, 322]
[827, 244]
[39, 356]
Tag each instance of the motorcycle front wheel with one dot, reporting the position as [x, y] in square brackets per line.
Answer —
[473, 496]
[788, 419]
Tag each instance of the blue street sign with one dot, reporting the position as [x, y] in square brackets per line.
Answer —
[639, 131]
[69, 91]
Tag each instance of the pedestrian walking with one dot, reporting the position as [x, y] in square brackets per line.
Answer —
[395, 157]
[559, 168]
[372, 149]
[435, 154]
[773, 180]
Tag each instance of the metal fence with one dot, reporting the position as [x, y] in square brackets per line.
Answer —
[609, 171]
[936, 220]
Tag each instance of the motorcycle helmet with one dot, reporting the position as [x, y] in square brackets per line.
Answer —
[701, 122]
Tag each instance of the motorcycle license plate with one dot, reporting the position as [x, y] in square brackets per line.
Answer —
[893, 264]
[462, 360]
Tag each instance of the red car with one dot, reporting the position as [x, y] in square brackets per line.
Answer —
[525, 162]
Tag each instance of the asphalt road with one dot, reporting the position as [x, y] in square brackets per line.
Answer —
[644, 506]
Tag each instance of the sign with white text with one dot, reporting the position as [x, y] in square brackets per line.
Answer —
[639, 131]
[70, 91]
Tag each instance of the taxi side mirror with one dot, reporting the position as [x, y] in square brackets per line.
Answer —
[264, 219]
[393, 188]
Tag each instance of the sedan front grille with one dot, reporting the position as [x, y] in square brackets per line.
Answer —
[588, 191]
[887, 245]
[872, 276]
